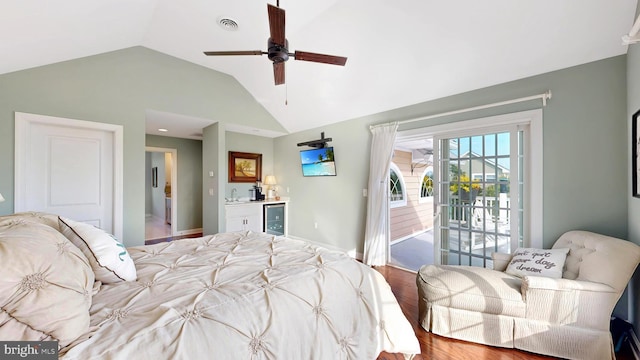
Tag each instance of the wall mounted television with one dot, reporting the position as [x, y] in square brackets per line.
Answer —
[318, 162]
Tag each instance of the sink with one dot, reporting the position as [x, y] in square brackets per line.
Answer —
[237, 201]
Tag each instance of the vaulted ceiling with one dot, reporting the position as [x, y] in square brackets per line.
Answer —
[399, 52]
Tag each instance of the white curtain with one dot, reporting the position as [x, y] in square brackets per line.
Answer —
[377, 230]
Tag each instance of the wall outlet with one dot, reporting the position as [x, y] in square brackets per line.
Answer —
[315, 225]
[287, 189]
[210, 192]
[210, 173]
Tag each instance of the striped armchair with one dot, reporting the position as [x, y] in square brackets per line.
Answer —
[567, 317]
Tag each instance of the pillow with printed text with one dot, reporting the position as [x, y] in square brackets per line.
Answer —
[537, 262]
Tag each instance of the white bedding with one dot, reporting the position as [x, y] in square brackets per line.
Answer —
[245, 296]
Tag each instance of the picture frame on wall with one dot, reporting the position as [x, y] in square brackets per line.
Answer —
[244, 167]
[154, 177]
[635, 153]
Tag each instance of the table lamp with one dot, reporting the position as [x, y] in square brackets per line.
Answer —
[271, 181]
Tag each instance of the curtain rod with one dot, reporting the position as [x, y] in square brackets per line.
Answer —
[544, 97]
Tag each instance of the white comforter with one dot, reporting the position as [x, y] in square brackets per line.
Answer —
[245, 296]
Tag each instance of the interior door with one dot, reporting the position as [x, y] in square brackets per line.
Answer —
[67, 167]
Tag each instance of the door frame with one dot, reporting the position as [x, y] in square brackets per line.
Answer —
[534, 118]
[23, 123]
[174, 183]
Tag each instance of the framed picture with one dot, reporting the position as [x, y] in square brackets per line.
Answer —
[635, 152]
[154, 176]
[244, 167]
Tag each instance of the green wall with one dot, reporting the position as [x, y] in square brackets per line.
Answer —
[189, 178]
[117, 88]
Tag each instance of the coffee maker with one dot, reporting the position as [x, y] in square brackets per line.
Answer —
[255, 194]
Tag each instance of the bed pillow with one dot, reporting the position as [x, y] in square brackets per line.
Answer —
[108, 257]
[537, 262]
[32, 216]
[46, 286]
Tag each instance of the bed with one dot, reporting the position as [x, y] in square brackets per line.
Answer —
[239, 295]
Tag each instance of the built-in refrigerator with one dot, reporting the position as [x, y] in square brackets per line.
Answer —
[274, 219]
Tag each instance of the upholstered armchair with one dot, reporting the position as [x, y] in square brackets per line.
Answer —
[565, 317]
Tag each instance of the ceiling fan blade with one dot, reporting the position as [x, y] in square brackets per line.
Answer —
[276, 24]
[224, 53]
[321, 58]
[278, 72]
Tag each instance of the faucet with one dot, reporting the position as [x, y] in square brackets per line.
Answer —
[234, 194]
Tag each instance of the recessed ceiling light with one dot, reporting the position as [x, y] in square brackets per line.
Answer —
[163, 130]
[228, 24]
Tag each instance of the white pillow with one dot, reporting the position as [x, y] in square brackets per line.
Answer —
[47, 284]
[108, 257]
[537, 262]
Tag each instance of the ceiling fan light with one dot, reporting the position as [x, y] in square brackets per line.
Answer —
[228, 24]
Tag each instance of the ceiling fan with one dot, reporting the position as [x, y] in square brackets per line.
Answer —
[277, 47]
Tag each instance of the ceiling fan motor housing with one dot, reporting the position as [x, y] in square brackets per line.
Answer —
[277, 53]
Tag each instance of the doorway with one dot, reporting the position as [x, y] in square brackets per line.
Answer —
[161, 192]
[484, 172]
[411, 204]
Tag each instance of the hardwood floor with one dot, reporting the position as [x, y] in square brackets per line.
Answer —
[167, 239]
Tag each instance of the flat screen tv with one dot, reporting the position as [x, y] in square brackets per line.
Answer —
[318, 162]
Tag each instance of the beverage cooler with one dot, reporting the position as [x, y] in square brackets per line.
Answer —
[274, 219]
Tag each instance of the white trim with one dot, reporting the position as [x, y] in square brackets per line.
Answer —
[352, 253]
[22, 123]
[470, 126]
[174, 184]
[544, 97]
[189, 231]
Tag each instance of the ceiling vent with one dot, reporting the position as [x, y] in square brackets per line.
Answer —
[228, 24]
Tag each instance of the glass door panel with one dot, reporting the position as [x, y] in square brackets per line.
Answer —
[480, 184]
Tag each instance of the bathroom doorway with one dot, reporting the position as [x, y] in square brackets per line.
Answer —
[160, 193]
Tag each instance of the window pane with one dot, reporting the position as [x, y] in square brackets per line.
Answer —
[490, 145]
[395, 186]
[476, 146]
[504, 144]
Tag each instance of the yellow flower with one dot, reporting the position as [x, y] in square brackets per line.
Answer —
[465, 184]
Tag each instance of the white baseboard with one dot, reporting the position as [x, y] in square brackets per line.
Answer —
[352, 253]
[188, 232]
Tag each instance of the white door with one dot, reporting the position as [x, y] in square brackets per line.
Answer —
[68, 167]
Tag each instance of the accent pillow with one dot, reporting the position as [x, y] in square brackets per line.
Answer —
[47, 284]
[537, 262]
[108, 257]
